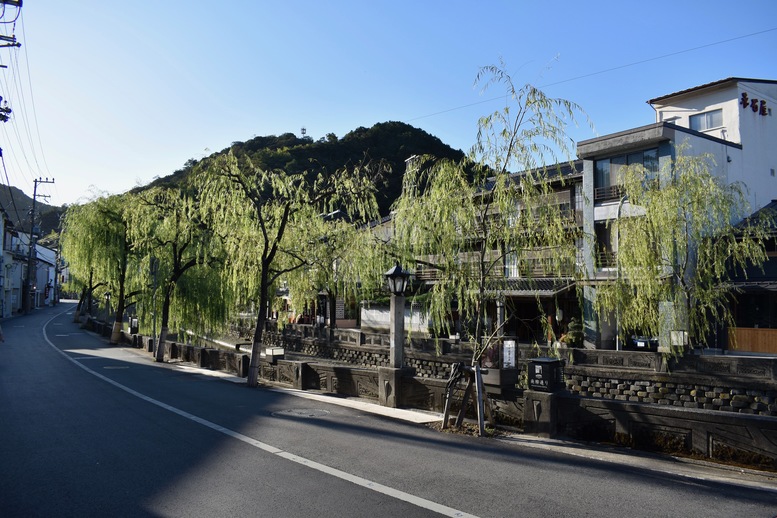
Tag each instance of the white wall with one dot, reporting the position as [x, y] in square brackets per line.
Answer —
[377, 318]
[753, 164]
[759, 141]
[724, 99]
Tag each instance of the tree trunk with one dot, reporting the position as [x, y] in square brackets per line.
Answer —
[332, 317]
[89, 294]
[117, 323]
[159, 356]
[261, 317]
[81, 300]
[256, 351]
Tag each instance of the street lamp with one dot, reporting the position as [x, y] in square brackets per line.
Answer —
[321, 313]
[107, 305]
[396, 279]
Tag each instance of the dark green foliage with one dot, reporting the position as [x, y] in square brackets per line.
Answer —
[17, 205]
[574, 335]
[392, 142]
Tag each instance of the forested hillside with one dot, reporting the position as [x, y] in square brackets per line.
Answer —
[392, 142]
[18, 206]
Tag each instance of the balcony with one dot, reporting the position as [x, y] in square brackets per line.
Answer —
[610, 192]
[606, 259]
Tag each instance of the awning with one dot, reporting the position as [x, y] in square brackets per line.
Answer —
[530, 287]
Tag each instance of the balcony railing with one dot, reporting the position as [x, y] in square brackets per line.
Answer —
[606, 259]
[610, 192]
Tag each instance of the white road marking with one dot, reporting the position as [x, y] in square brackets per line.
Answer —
[363, 482]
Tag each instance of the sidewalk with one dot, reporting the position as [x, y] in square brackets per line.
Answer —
[691, 469]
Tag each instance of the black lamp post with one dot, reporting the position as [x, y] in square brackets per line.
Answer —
[396, 279]
[321, 316]
[107, 305]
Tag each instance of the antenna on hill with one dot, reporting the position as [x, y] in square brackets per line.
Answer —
[304, 131]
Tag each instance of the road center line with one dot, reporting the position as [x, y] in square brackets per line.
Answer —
[363, 482]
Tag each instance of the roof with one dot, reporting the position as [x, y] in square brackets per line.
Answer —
[563, 171]
[768, 211]
[639, 138]
[713, 84]
[532, 287]
[763, 277]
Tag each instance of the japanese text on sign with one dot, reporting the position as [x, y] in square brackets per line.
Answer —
[758, 106]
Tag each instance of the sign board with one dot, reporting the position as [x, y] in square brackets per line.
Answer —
[508, 354]
[545, 374]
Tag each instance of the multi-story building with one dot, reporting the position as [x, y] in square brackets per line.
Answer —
[528, 298]
[730, 120]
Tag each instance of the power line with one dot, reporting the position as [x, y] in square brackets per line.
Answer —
[8, 185]
[32, 100]
[620, 67]
[661, 57]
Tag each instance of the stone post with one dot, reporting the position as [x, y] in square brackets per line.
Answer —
[540, 415]
[397, 331]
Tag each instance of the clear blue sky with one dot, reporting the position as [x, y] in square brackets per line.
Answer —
[111, 94]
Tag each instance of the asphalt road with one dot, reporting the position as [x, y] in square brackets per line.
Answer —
[90, 429]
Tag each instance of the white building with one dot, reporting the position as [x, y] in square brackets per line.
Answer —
[13, 272]
[737, 111]
[731, 120]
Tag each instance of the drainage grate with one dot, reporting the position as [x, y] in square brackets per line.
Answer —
[302, 412]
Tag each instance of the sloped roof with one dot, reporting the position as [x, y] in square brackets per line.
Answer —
[711, 85]
[769, 211]
[546, 287]
[561, 171]
[759, 278]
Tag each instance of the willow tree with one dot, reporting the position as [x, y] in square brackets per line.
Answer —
[96, 239]
[267, 218]
[169, 232]
[82, 225]
[463, 221]
[343, 263]
[683, 242]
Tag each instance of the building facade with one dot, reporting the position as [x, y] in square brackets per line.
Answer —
[730, 120]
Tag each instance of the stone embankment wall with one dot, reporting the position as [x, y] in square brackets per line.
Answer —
[739, 384]
[707, 397]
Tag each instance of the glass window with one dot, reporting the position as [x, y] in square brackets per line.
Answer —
[602, 173]
[616, 163]
[606, 171]
[707, 120]
[650, 161]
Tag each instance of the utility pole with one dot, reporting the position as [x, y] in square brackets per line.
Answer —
[10, 41]
[27, 294]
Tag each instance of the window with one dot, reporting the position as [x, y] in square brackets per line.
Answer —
[605, 253]
[511, 265]
[707, 120]
[606, 171]
[602, 173]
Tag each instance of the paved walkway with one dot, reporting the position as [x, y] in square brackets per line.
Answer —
[691, 468]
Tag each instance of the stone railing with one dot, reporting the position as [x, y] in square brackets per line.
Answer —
[431, 358]
[724, 383]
